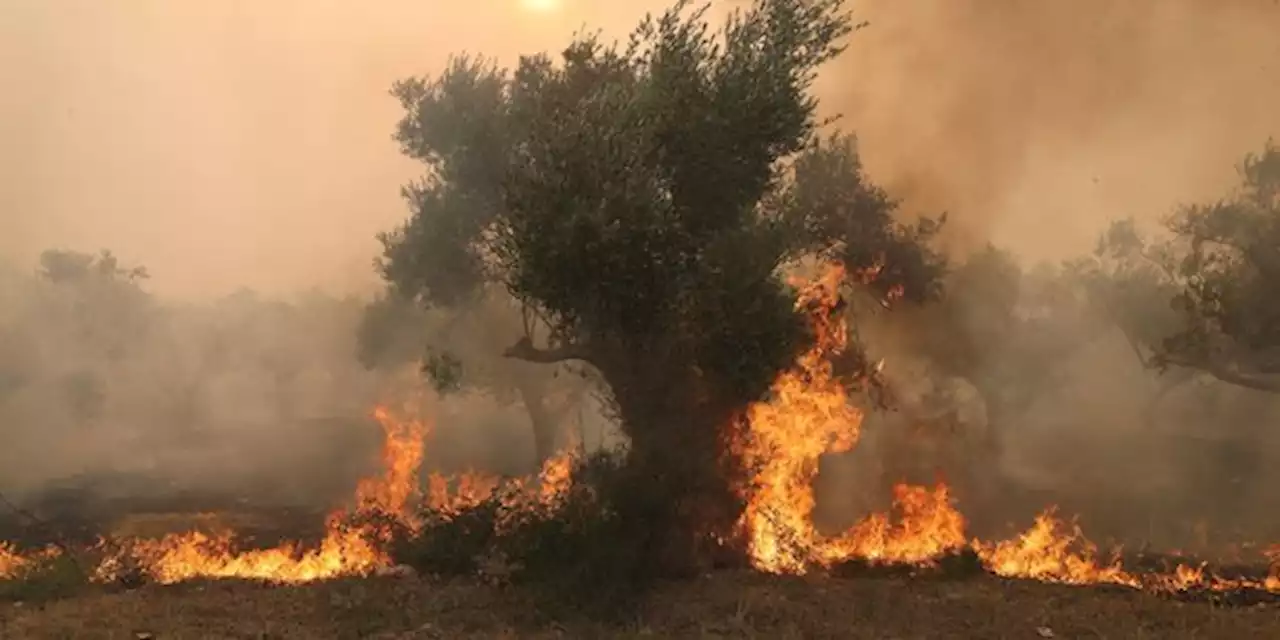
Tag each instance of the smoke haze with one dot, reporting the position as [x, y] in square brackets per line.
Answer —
[1036, 122]
[240, 144]
[247, 144]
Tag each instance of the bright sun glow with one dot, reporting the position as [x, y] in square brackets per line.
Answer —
[540, 5]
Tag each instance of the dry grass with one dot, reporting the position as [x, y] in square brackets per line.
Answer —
[722, 606]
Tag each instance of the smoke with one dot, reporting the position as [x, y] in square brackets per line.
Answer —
[1034, 123]
[228, 145]
[232, 144]
[104, 381]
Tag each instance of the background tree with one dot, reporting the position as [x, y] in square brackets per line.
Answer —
[967, 367]
[641, 203]
[1200, 297]
[1196, 301]
[95, 311]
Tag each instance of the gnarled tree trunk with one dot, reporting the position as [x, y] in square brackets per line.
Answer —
[679, 436]
[683, 488]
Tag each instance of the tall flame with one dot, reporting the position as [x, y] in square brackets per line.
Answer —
[402, 454]
[808, 415]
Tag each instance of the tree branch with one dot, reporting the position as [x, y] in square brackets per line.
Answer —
[1229, 374]
[524, 350]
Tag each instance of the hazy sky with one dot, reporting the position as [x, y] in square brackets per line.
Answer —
[247, 142]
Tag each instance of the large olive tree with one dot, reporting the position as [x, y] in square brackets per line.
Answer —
[638, 204]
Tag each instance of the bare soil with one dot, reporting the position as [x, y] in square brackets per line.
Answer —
[726, 605]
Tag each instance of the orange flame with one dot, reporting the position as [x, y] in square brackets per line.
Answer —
[197, 555]
[809, 414]
[345, 550]
[928, 526]
[1273, 580]
[1044, 552]
[402, 454]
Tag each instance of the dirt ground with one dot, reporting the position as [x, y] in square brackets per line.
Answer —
[721, 606]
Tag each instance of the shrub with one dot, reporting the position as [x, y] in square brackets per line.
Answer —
[591, 552]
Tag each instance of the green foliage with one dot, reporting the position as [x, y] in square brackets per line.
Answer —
[828, 197]
[71, 267]
[453, 544]
[1231, 264]
[444, 370]
[965, 330]
[64, 330]
[612, 190]
[1005, 330]
[1127, 279]
[641, 199]
[84, 346]
[104, 308]
[595, 553]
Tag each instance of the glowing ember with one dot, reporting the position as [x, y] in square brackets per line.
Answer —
[1273, 580]
[11, 563]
